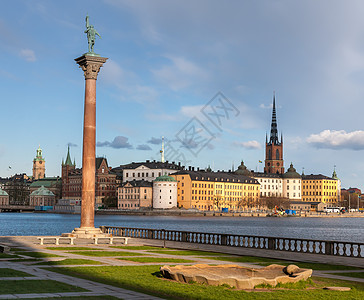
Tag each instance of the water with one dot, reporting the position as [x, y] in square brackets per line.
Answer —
[341, 229]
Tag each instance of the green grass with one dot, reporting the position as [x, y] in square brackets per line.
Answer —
[36, 286]
[25, 260]
[103, 297]
[6, 255]
[105, 253]
[187, 252]
[17, 249]
[156, 260]
[316, 266]
[303, 284]
[350, 274]
[70, 261]
[37, 254]
[6, 272]
[71, 248]
[138, 247]
[147, 279]
[250, 259]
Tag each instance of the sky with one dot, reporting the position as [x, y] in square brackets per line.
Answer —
[200, 73]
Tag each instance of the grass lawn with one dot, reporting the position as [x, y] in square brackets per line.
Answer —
[71, 248]
[138, 247]
[187, 252]
[25, 260]
[351, 274]
[6, 272]
[146, 279]
[249, 259]
[36, 286]
[37, 254]
[105, 253]
[104, 297]
[17, 249]
[147, 259]
[6, 255]
[70, 261]
[315, 266]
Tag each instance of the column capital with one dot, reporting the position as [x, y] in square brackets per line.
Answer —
[90, 65]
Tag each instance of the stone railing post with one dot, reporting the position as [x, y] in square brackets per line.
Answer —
[184, 237]
[329, 248]
[224, 239]
[271, 243]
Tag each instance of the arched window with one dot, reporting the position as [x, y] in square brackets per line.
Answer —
[269, 154]
[277, 154]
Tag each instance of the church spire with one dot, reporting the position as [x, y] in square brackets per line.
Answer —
[68, 158]
[274, 131]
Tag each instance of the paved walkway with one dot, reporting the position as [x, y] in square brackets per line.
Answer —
[99, 289]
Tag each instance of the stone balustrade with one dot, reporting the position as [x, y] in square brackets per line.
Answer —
[349, 249]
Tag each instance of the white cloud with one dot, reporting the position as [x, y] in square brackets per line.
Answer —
[338, 139]
[28, 55]
[250, 145]
[130, 85]
[270, 106]
[180, 73]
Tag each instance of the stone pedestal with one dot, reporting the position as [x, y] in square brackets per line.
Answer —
[91, 66]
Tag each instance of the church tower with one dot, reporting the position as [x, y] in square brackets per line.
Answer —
[38, 166]
[67, 167]
[274, 147]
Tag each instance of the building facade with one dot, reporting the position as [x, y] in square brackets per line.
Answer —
[135, 194]
[38, 165]
[4, 197]
[216, 190]
[320, 188]
[67, 167]
[105, 181]
[148, 170]
[42, 197]
[164, 192]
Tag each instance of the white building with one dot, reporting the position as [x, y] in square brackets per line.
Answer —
[292, 184]
[271, 185]
[148, 170]
[164, 192]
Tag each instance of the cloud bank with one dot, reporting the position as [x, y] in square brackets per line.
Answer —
[250, 145]
[337, 140]
[119, 142]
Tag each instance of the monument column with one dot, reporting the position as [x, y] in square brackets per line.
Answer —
[90, 64]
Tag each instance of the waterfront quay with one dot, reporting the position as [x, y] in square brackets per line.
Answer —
[120, 271]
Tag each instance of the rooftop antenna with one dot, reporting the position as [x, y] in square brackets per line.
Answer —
[162, 151]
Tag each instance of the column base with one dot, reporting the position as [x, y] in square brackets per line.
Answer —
[86, 233]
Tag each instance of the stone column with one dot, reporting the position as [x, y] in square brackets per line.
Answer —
[91, 65]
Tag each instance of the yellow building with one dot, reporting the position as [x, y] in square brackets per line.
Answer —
[320, 188]
[213, 191]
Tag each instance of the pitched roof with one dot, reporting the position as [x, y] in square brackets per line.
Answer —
[217, 176]
[151, 165]
[138, 183]
[316, 177]
[46, 182]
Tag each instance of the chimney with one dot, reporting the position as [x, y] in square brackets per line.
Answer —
[198, 168]
[189, 168]
[148, 161]
[193, 168]
[179, 163]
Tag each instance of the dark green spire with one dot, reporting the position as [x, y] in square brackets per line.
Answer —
[68, 159]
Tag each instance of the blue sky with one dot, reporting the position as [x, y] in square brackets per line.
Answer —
[167, 60]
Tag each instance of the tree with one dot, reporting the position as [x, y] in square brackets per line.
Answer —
[110, 202]
[272, 202]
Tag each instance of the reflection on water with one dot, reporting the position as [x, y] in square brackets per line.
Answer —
[342, 229]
